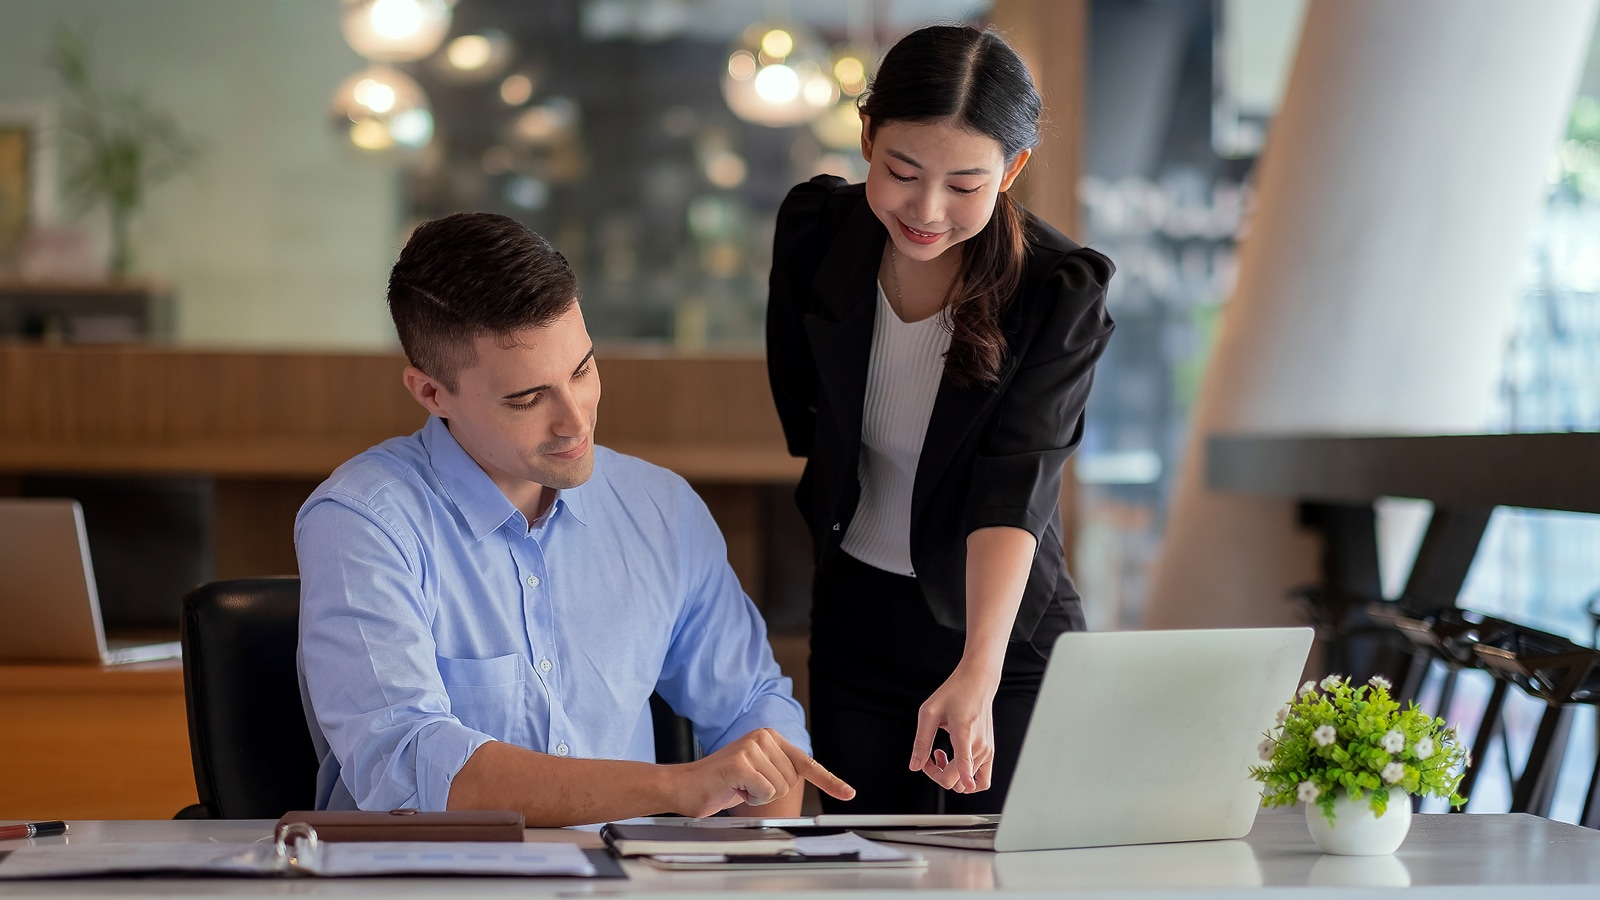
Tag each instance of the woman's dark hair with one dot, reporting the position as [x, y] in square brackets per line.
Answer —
[472, 274]
[974, 80]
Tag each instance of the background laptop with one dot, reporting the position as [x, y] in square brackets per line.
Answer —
[49, 608]
[1142, 737]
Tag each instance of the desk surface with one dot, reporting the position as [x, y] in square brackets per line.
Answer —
[1459, 856]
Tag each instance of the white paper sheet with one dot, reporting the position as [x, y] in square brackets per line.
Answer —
[455, 857]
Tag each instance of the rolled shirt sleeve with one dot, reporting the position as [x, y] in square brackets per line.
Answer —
[383, 726]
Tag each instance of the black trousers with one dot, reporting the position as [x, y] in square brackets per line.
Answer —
[876, 654]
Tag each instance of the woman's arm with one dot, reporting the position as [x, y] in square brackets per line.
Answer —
[1016, 482]
[998, 560]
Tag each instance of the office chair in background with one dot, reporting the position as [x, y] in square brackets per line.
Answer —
[248, 737]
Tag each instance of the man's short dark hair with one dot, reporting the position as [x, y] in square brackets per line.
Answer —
[471, 274]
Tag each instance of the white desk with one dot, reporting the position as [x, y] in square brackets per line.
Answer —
[1458, 856]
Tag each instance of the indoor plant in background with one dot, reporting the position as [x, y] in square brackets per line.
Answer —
[1354, 758]
[114, 144]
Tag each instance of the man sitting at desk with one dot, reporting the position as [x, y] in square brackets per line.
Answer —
[487, 604]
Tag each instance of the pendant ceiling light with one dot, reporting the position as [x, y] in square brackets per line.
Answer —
[382, 108]
[777, 75]
[395, 30]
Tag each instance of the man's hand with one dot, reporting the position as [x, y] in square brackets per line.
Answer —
[754, 770]
[963, 706]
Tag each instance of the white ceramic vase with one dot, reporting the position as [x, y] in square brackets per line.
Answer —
[1355, 831]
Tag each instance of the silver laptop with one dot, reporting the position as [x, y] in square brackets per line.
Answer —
[1142, 737]
[49, 607]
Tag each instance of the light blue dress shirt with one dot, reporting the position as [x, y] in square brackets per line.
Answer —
[434, 619]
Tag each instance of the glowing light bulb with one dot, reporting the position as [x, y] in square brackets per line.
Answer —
[375, 95]
[777, 84]
[850, 72]
[396, 19]
[470, 52]
[395, 30]
[777, 43]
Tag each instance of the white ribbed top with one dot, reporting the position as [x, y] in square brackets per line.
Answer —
[902, 381]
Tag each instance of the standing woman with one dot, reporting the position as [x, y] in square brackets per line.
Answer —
[930, 345]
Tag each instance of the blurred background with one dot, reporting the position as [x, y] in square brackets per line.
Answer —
[292, 145]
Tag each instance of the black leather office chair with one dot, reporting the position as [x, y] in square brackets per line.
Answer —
[247, 733]
[252, 751]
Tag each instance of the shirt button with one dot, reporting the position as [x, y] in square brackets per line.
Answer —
[836, 526]
[544, 665]
[533, 581]
[561, 750]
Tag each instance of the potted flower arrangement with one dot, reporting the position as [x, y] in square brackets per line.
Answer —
[1353, 757]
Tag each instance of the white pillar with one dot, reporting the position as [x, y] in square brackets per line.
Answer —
[1395, 200]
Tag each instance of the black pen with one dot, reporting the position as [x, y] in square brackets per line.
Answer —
[32, 829]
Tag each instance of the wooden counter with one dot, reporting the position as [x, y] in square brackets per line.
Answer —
[268, 426]
[86, 741]
[141, 410]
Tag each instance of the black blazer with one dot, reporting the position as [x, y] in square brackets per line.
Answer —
[992, 455]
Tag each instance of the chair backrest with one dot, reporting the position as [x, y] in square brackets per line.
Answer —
[252, 751]
[675, 740]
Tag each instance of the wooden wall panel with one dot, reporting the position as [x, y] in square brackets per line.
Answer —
[298, 415]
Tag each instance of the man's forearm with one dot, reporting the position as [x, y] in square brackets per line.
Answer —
[551, 791]
[554, 792]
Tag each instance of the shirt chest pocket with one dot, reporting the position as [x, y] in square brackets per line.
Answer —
[490, 695]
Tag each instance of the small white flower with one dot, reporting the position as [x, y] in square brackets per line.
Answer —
[1325, 735]
[1331, 682]
[1283, 715]
[1308, 792]
[1424, 748]
[1393, 772]
[1394, 742]
[1378, 681]
[1308, 689]
[1265, 748]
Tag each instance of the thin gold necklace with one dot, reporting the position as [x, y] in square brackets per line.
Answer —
[894, 269]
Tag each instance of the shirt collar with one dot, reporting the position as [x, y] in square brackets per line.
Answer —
[481, 502]
[571, 500]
